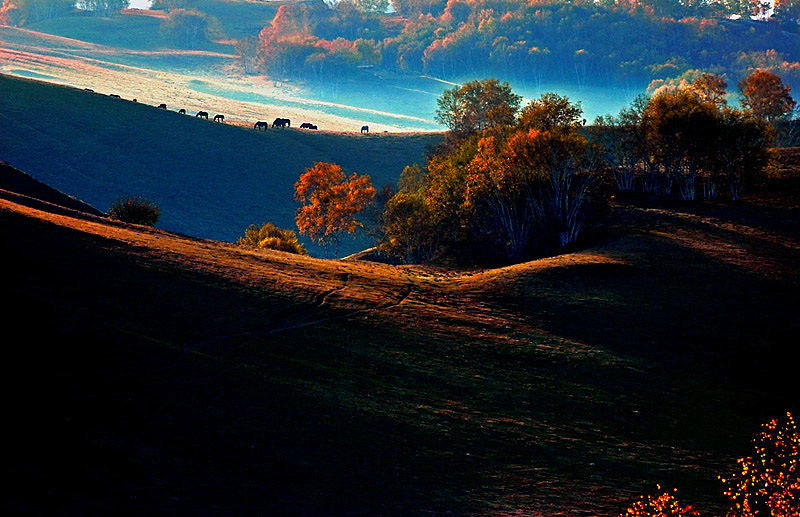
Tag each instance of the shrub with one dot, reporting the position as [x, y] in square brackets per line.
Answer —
[270, 236]
[768, 482]
[665, 505]
[134, 209]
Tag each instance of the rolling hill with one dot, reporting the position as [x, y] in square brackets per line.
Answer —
[158, 373]
[210, 180]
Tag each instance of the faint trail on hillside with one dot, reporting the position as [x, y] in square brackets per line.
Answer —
[309, 316]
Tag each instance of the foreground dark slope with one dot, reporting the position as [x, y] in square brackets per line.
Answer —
[156, 373]
[210, 180]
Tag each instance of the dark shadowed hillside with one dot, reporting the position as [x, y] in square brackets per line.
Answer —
[15, 180]
[165, 374]
[210, 180]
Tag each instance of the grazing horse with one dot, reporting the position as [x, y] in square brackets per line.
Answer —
[162, 106]
[261, 125]
[114, 95]
[202, 114]
[88, 90]
[182, 111]
[282, 122]
[308, 125]
[365, 129]
[219, 117]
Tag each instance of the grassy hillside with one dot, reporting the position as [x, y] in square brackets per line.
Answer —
[162, 373]
[210, 180]
[139, 30]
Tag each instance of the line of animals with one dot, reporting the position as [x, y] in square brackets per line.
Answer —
[260, 125]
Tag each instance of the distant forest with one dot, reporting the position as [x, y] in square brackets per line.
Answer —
[584, 42]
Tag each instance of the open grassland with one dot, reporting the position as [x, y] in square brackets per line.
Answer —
[210, 179]
[126, 55]
[162, 373]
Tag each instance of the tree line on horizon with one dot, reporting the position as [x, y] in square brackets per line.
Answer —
[584, 42]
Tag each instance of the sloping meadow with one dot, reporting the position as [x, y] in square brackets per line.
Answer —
[210, 180]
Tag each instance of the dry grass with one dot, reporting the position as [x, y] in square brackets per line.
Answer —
[564, 386]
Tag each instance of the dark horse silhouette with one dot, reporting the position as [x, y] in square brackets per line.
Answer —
[261, 125]
[308, 125]
[221, 118]
[182, 111]
[282, 122]
[365, 129]
[162, 106]
[203, 114]
[114, 95]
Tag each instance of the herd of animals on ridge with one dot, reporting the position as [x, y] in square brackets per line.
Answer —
[278, 122]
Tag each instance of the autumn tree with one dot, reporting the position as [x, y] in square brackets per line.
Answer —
[741, 145]
[188, 28]
[765, 95]
[663, 505]
[412, 233]
[679, 130]
[511, 191]
[538, 183]
[621, 141]
[768, 482]
[551, 112]
[247, 51]
[329, 202]
[21, 12]
[711, 88]
[478, 105]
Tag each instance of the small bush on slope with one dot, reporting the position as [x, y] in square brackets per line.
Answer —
[270, 236]
[136, 210]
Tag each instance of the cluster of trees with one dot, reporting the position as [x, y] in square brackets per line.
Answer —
[510, 186]
[509, 183]
[312, 40]
[531, 41]
[189, 28]
[688, 135]
[764, 484]
[21, 12]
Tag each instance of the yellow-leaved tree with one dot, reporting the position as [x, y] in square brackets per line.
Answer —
[768, 482]
[663, 505]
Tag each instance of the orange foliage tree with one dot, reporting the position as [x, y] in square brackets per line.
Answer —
[665, 505]
[768, 483]
[765, 95]
[330, 201]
